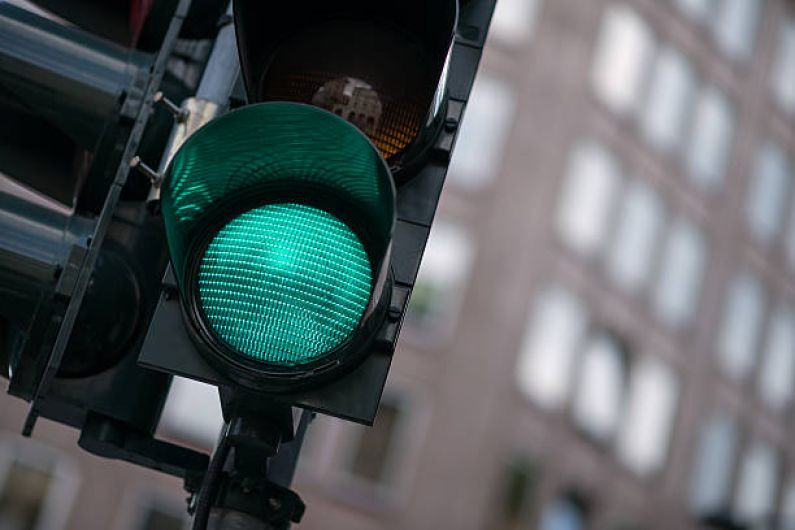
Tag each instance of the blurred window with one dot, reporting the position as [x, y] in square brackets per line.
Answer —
[738, 338]
[697, 10]
[734, 26]
[682, 266]
[484, 130]
[563, 513]
[599, 393]
[549, 346]
[441, 282]
[778, 363]
[157, 518]
[623, 52]
[517, 486]
[668, 101]
[631, 253]
[712, 467]
[373, 455]
[767, 196]
[192, 413]
[644, 438]
[23, 496]
[756, 488]
[514, 21]
[587, 197]
[710, 138]
[784, 68]
[37, 487]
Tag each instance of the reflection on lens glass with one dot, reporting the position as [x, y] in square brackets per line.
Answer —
[377, 79]
[351, 99]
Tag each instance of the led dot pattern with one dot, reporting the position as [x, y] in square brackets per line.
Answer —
[284, 284]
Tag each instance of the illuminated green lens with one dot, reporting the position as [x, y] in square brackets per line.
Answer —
[284, 283]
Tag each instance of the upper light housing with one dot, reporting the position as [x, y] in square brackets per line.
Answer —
[379, 65]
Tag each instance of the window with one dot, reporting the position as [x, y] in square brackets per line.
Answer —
[23, 496]
[564, 513]
[549, 346]
[513, 21]
[157, 519]
[150, 507]
[587, 197]
[643, 439]
[769, 186]
[518, 483]
[712, 468]
[668, 102]
[484, 131]
[441, 282]
[677, 290]
[742, 319]
[599, 395]
[371, 455]
[756, 488]
[37, 487]
[710, 138]
[631, 254]
[784, 68]
[735, 26]
[778, 363]
[623, 51]
[192, 412]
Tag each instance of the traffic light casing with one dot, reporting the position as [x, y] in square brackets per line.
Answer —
[279, 218]
[81, 260]
[278, 67]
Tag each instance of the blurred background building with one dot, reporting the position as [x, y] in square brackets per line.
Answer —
[603, 335]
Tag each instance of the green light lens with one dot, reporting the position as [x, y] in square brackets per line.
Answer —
[284, 283]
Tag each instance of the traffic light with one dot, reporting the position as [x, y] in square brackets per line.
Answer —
[279, 220]
[81, 259]
[296, 223]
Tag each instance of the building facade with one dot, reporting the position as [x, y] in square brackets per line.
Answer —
[603, 333]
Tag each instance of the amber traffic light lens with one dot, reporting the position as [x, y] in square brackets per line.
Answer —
[370, 75]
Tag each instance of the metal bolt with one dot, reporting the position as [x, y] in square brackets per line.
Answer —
[153, 176]
[275, 504]
[180, 114]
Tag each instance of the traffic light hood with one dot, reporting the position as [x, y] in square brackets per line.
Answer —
[279, 219]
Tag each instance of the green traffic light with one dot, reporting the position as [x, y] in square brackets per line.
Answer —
[284, 283]
[279, 222]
